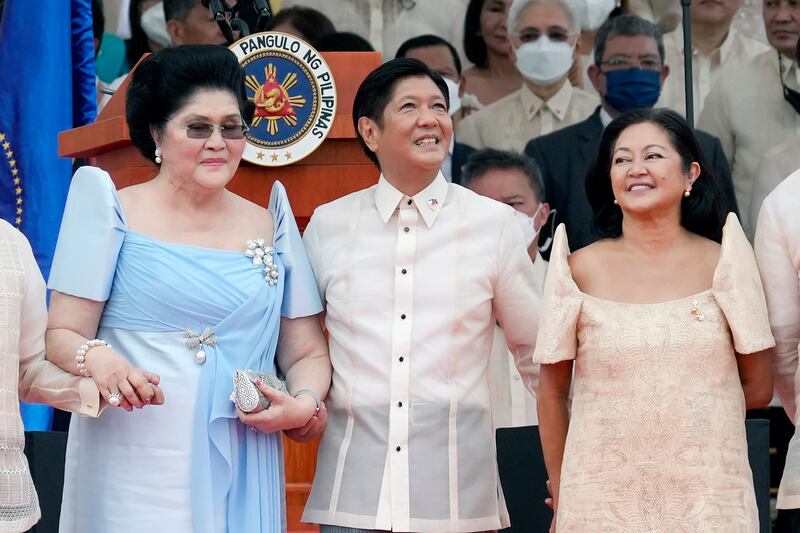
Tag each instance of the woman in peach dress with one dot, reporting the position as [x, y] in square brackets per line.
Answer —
[668, 333]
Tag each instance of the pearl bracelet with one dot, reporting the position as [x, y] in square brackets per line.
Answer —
[80, 355]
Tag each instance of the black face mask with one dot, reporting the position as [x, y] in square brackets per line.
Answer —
[790, 95]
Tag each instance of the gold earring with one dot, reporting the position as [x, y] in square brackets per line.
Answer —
[688, 191]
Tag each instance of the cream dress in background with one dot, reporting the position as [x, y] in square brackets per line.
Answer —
[656, 438]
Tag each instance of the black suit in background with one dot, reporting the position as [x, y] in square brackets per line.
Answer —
[460, 154]
[565, 157]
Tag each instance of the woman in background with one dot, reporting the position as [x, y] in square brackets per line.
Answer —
[487, 44]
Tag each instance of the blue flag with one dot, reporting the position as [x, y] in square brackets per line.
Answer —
[47, 85]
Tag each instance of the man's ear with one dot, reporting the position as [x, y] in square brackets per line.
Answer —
[595, 77]
[175, 31]
[370, 132]
[543, 215]
[664, 73]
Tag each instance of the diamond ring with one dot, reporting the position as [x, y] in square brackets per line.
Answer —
[114, 399]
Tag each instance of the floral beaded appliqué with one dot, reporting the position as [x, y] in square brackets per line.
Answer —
[263, 257]
[696, 312]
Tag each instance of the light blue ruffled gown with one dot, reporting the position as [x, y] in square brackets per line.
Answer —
[188, 465]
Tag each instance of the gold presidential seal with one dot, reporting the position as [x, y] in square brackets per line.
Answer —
[294, 95]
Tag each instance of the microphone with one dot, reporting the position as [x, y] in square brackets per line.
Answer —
[218, 8]
[688, 88]
[264, 13]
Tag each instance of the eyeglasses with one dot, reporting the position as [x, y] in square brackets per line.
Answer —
[625, 63]
[203, 130]
[557, 35]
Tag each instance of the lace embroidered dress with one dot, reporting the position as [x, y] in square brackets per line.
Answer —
[656, 438]
[188, 465]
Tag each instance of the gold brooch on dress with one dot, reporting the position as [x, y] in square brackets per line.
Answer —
[696, 311]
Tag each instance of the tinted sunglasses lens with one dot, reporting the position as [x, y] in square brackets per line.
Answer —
[199, 131]
[233, 132]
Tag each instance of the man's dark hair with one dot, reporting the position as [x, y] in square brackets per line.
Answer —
[628, 26]
[377, 90]
[164, 81]
[426, 41]
[700, 212]
[482, 161]
[178, 9]
[343, 41]
[312, 24]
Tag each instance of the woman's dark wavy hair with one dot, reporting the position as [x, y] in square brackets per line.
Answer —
[474, 45]
[700, 212]
[163, 83]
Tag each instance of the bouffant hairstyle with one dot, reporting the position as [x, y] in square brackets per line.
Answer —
[700, 211]
[163, 83]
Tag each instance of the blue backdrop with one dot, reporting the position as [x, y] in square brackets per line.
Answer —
[47, 85]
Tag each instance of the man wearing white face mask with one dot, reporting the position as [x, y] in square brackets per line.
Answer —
[544, 34]
[516, 180]
[441, 57]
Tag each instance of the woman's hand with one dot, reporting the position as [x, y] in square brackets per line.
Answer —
[285, 412]
[550, 502]
[313, 427]
[113, 374]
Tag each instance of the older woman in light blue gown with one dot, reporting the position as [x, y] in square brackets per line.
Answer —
[160, 292]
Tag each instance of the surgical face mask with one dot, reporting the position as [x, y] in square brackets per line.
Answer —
[632, 88]
[592, 13]
[455, 100]
[528, 225]
[544, 61]
[154, 25]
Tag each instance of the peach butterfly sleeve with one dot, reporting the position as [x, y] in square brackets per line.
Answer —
[558, 325]
[738, 290]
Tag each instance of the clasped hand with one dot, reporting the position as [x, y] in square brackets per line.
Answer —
[113, 374]
[294, 415]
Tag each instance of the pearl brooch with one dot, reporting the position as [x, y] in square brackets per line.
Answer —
[194, 341]
[263, 257]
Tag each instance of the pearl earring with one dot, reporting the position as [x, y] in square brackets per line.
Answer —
[158, 155]
[688, 191]
[616, 202]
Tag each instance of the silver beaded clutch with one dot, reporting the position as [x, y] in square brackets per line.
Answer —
[246, 394]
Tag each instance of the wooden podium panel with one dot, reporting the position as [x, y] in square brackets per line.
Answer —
[336, 168]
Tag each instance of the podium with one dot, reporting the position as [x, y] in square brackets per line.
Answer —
[336, 168]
